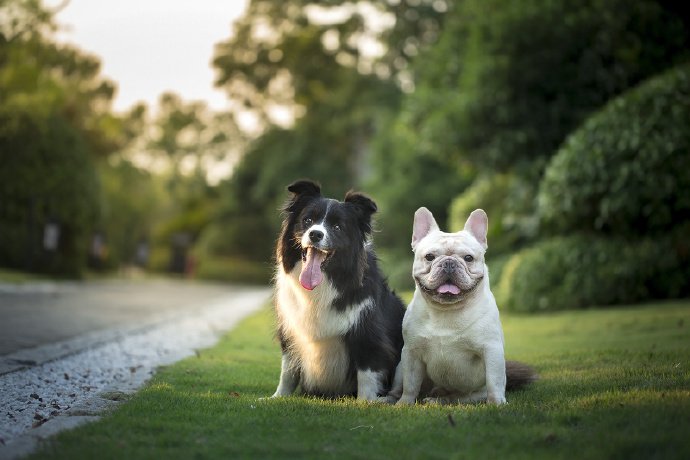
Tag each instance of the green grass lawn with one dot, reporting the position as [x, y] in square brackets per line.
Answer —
[614, 384]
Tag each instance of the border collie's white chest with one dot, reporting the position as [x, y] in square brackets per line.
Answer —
[316, 330]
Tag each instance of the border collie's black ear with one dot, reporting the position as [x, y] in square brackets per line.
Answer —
[365, 206]
[301, 189]
[305, 187]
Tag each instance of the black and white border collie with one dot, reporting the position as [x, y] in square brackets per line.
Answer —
[339, 324]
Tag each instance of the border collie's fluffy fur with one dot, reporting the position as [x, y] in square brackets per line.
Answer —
[339, 323]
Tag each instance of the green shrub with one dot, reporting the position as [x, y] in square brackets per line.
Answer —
[46, 176]
[397, 268]
[508, 81]
[508, 201]
[131, 198]
[496, 266]
[626, 171]
[582, 271]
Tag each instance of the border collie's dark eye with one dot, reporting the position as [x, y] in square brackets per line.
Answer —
[468, 258]
[307, 221]
[429, 257]
[336, 227]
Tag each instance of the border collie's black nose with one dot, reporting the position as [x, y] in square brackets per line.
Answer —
[315, 236]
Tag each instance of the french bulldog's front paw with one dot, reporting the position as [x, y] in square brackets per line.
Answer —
[406, 400]
[441, 400]
[438, 392]
[496, 399]
[388, 399]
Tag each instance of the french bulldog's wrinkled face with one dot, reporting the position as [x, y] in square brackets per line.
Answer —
[448, 266]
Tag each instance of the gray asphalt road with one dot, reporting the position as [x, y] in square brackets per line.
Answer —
[36, 314]
[65, 347]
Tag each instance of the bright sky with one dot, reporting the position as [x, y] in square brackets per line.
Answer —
[151, 46]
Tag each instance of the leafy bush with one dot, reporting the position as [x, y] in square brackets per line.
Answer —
[46, 176]
[496, 265]
[626, 171]
[131, 197]
[508, 81]
[411, 182]
[508, 201]
[582, 271]
[397, 268]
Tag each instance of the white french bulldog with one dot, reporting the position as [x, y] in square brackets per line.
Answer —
[452, 331]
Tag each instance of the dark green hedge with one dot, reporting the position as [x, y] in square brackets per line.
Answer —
[508, 201]
[45, 175]
[583, 271]
[626, 171]
[508, 81]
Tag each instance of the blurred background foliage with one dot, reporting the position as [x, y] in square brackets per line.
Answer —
[568, 122]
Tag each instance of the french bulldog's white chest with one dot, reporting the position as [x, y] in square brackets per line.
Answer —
[452, 344]
[452, 329]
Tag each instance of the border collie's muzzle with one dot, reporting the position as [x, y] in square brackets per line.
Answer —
[314, 255]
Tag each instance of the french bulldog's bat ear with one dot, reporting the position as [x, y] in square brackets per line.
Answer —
[424, 223]
[478, 224]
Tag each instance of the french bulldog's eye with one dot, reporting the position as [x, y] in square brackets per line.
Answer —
[429, 257]
[307, 221]
[468, 258]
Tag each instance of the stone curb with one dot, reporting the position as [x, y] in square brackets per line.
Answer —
[219, 316]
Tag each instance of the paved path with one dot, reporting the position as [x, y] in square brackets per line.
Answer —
[68, 347]
[36, 314]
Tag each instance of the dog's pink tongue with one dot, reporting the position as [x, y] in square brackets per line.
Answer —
[311, 275]
[448, 288]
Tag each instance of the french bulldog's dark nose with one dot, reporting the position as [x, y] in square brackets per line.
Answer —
[449, 265]
[315, 236]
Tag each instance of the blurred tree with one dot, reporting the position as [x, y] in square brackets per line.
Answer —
[131, 211]
[508, 81]
[55, 120]
[404, 179]
[186, 143]
[321, 79]
[186, 138]
[40, 76]
[48, 194]
[285, 54]
[327, 152]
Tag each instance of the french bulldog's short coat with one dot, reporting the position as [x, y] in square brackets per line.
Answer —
[453, 340]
